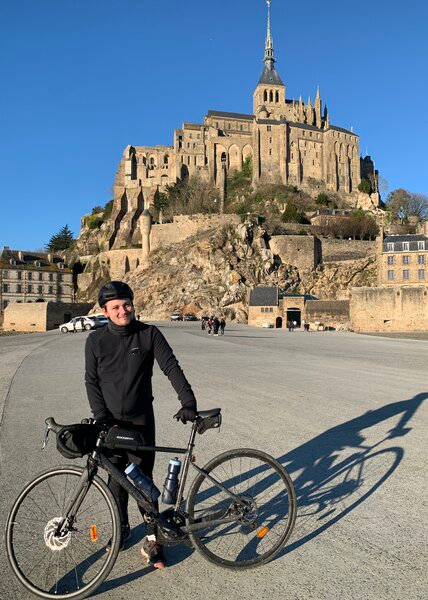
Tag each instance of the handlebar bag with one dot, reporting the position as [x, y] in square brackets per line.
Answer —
[74, 441]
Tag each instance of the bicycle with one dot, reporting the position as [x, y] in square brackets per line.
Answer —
[239, 512]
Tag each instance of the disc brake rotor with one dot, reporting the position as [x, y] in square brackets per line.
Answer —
[52, 540]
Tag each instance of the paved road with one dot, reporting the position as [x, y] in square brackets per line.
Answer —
[347, 415]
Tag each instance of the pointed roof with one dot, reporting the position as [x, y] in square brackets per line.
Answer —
[269, 74]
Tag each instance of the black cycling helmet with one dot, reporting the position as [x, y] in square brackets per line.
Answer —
[114, 290]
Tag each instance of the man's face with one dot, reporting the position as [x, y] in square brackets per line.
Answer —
[120, 312]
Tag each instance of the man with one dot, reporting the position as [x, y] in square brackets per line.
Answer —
[118, 375]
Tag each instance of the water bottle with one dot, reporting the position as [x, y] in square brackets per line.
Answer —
[170, 487]
[142, 482]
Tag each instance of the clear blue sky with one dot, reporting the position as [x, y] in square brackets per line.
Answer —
[81, 79]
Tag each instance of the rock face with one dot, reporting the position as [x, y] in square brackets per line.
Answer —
[216, 270]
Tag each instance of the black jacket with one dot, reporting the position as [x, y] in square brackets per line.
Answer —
[119, 368]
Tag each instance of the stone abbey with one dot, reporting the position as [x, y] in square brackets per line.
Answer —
[289, 142]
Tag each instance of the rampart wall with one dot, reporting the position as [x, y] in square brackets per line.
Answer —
[337, 250]
[303, 251]
[41, 316]
[184, 226]
[389, 309]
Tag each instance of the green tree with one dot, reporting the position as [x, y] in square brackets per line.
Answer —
[403, 204]
[365, 186]
[61, 240]
[292, 214]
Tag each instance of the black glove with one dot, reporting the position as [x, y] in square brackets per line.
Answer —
[104, 423]
[186, 413]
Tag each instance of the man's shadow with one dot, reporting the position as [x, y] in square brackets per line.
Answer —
[333, 473]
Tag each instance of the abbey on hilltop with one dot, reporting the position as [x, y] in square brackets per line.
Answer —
[290, 142]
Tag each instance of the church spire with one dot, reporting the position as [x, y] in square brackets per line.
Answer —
[268, 59]
[269, 74]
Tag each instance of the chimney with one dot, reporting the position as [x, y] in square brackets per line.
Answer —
[20, 255]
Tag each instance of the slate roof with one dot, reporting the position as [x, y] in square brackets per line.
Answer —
[410, 237]
[264, 296]
[270, 77]
[232, 115]
[29, 259]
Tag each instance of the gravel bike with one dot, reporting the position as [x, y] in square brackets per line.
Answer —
[239, 512]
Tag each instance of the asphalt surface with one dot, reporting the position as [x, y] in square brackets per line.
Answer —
[345, 414]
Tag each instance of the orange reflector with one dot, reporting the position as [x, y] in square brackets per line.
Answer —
[93, 533]
[262, 532]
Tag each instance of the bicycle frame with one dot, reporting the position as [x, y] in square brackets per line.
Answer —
[98, 458]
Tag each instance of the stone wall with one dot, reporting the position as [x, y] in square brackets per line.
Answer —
[303, 251]
[184, 226]
[330, 313]
[389, 309]
[337, 250]
[41, 316]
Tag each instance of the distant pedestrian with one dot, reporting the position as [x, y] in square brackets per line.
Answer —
[203, 324]
[82, 323]
[216, 325]
[290, 325]
[74, 325]
[222, 325]
[209, 325]
[294, 325]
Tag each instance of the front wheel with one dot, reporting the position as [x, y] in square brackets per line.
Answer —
[87, 327]
[250, 521]
[70, 563]
[64, 330]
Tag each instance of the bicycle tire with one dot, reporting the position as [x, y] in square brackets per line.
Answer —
[267, 489]
[75, 565]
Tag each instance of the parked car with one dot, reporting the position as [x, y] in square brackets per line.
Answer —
[190, 317]
[89, 322]
[101, 318]
[176, 316]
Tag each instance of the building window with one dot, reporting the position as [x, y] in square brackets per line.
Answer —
[50, 289]
[5, 303]
[29, 289]
[59, 290]
[19, 275]
[5, 274]
[421, 260]
[390, 247]
[40, 276]
[50, 276]
[405, 260]
[40, 289]
[5, 288]
[19, 289]
[390, 275]
[262, 309]
[406, 246]
[406, 274]
[29, 276]
[38, 263]
[421, 245]
[421, 274]
[59, 277]
[269, 128]
[271, 309]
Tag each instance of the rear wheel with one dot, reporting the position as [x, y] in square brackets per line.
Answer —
[71, 564]
[258, 520]
[87, 327]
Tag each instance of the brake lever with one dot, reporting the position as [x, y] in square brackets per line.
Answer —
[46, 436]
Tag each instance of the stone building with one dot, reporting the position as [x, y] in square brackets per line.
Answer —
[33, 277]
[290, 142]
[402, 260]
[269, 307]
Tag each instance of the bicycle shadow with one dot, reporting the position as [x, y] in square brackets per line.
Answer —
[338, 470]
